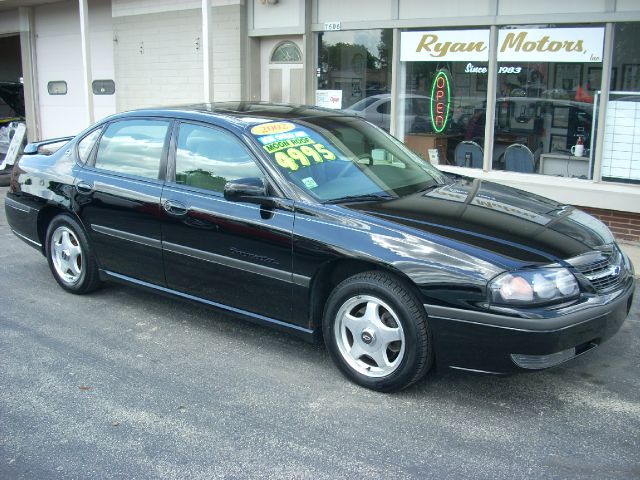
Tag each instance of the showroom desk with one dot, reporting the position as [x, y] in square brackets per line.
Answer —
[563, 165]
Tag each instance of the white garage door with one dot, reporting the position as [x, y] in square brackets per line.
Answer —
[59, 65]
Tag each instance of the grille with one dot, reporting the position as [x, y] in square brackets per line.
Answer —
[605, 271]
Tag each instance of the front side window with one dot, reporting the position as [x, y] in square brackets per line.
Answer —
[208, 158]
[133, 147]
[333, 158]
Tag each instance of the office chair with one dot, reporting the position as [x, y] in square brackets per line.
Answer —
[468, 154]
[518, 158]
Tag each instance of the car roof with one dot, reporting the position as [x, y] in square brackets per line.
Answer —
[240, 114]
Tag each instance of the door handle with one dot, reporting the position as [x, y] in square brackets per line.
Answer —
[175, 208]
[84, 188]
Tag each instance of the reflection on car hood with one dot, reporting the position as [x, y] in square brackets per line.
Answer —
[496, 218]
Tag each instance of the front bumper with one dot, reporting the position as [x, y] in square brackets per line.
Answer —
[493, 343]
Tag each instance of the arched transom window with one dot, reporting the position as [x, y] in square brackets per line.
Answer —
[286, 52]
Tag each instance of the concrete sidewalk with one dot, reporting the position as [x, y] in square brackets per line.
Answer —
[633, 252]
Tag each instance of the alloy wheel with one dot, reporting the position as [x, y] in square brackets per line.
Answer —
[369, 336]
[66, 255]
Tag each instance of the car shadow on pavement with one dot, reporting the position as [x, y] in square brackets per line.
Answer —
[595, 372]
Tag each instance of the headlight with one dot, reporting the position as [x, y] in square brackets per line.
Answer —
[533, 287]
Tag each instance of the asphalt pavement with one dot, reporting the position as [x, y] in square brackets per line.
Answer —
[125, 384]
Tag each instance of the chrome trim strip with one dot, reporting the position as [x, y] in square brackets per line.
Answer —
[219, 198]
[610, 271]
[130, 237]
[229, 262]
[255, 316]
[301, 280]
[9, 202]
[473, 370]
[26, 239]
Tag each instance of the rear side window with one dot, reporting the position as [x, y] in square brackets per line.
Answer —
[133, 147]
[208, 158]
[384, 107]
[86, 145]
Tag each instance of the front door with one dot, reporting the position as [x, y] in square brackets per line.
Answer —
[282, 70]
[235, 254]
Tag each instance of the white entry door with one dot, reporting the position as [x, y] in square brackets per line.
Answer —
[282, 72]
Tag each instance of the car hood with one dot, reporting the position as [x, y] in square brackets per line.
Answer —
[500, 220]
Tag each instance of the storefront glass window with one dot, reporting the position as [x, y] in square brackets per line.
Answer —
[455, 137]
[442, 105]
[545, 99]
[354, 73]
[621, 146]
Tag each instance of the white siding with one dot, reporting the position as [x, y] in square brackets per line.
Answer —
[355, 11]
[371, 10]
[627, 5]
[125, 8]
[9, 22]
[227, 61]
[158, 59]
[439, 9]
[547, 7]
[286, 13]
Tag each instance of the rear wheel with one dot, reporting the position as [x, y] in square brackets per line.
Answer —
[377, 332]
[70, 256]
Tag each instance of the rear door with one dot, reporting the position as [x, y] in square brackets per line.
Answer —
[236, 254]
[118, 196]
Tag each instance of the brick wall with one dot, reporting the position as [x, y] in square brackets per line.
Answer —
[157, 59]
[624, 225]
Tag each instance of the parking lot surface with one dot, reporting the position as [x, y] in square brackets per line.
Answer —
[125, 384]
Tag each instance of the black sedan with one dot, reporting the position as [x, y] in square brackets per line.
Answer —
[321, 224]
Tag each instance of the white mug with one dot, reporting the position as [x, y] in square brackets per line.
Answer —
[577, 150]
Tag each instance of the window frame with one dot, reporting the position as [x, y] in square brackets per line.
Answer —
[162, 168]
[92, 152]
[285, 62]
[170, 176]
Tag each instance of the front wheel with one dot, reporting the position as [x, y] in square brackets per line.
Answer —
[377, 333]
[70, 256]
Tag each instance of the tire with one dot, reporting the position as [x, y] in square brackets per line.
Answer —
[377, 332]
[70, 256]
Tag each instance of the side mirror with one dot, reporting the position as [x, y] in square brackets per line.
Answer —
[253, 190]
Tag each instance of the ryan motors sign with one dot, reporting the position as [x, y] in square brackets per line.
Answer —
[581, 45]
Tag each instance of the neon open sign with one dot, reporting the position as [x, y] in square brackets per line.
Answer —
[440, 98]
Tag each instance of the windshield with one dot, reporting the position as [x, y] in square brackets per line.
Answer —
[333, 158]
